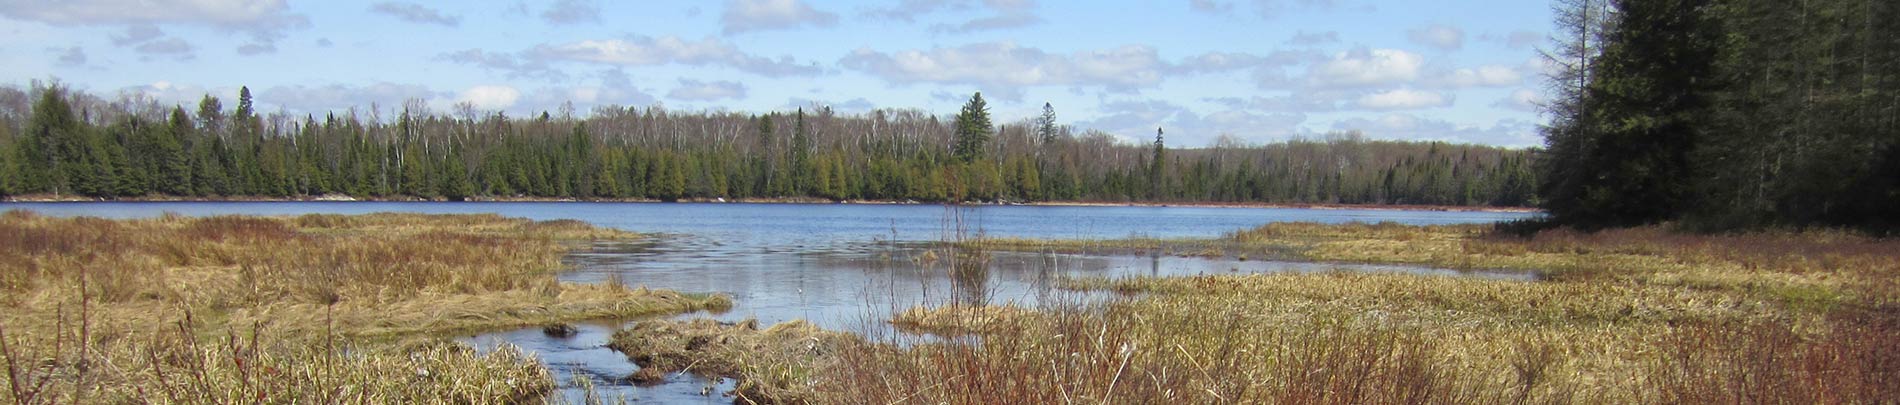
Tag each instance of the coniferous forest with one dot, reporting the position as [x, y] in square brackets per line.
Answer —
[1725, 114]
[60, 142]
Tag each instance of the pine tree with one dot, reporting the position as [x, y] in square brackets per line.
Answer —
[973, 129]
[1649, 100]
[1157, 176]
[172, 169]
[1046, 124]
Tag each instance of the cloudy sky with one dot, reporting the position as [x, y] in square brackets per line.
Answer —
[1261, 70]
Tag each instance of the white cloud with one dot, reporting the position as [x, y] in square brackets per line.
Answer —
[1526, 100]
[694, 90]
[71, 56]
[1210, 7]
[1440, 36]
[908, 10]
[999, 22]
[515, 67]
[415, 13]
[1005, 14]
[339, 97]
[1001, 66]
[1304, 101]
[490, 97]
[761, 15]
[1403, 99]
[172, 47]
[1137, 119]
[1366, 67]
[1506, 132]
[853, 106]
[645, 51]
[1304, 38]
[1515, 39]
[572, 12]
[1271, 9]
[610, 87]
[137, 33]
[222, 12]
[1482, 76]
[264, 20]
[171, 93]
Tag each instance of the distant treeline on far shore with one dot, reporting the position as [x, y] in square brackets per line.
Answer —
[57, 141]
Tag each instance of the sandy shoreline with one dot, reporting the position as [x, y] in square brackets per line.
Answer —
[337, 198]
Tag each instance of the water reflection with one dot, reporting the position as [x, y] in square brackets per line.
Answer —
[850, 287]
[842, 267]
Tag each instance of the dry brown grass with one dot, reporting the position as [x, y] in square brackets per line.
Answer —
[775, 365]
[959, 319]
[122, 307]
[1628, 316]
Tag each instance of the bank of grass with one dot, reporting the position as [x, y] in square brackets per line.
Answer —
[314, 308]
[1640, 315]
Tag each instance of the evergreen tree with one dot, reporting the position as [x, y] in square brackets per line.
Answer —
[973, 129]
[1157, 167]
[1046, 125]
[172, 167]
[1646, 107]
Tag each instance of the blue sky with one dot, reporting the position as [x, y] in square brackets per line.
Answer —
[1256, 70]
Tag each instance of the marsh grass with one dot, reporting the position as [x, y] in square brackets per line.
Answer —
[1643, 315]
[774, 365]
[316, 308]
[960, 319]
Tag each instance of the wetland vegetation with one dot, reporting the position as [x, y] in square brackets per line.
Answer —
[1639, 315]
[313, 308]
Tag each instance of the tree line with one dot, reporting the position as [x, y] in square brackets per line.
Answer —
[1725, 114]
[57, 141]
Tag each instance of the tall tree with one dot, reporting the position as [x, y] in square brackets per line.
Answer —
[1645, 109]
[1046, 125]
[973, 129]
[1157, 166]
[1583, 27]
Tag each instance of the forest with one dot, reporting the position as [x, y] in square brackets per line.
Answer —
[55, 141]
[1725, 114]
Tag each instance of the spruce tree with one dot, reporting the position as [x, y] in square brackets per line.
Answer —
[972, 130]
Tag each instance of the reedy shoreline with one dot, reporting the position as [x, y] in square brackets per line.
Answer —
[313, 308]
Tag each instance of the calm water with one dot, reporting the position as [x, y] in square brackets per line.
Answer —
[840, 266]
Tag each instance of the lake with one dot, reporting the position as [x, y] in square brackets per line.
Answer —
[840, 266]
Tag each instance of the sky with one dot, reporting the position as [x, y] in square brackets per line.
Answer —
[1255, 70]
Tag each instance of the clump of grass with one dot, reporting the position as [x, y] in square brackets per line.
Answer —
[774, 365]
[957, 319]
[142, 310]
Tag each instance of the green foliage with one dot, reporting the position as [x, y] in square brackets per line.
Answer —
[653, 154]
[1731, 114]
[973, 129]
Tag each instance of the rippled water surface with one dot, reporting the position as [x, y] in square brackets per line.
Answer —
[840, 266]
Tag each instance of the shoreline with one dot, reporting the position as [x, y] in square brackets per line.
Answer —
[44, 198]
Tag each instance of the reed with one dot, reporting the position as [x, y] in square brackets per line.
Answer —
[1643, 315]
[315, 308]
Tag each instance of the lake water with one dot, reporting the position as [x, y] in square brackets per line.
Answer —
[840, 266]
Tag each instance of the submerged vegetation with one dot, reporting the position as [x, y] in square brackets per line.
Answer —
[1640, 315]
[315, 308]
